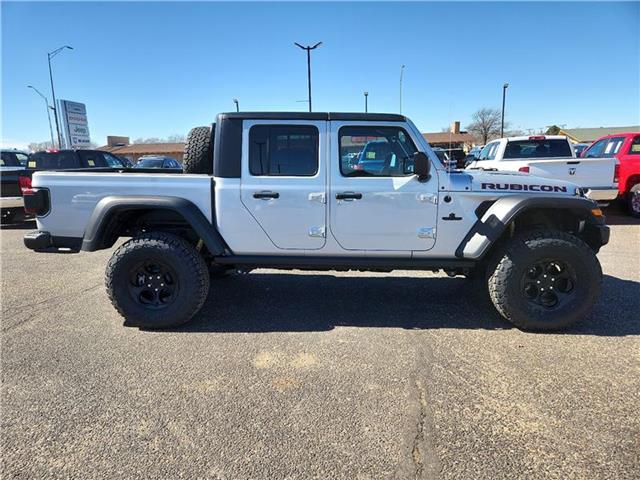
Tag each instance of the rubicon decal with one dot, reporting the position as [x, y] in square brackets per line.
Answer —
[524, 188]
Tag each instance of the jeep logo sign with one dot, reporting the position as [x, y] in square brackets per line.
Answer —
[75, 127]
[521, 187]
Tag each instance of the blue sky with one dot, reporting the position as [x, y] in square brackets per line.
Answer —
[159, 68]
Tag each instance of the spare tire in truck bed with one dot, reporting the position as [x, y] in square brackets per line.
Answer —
[198, 156]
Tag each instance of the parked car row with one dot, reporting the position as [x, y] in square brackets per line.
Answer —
[18, 167]
[606, 170]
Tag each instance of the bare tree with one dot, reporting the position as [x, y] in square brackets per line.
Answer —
[39, 146]
[485, 124]
[175, 138]
[147, 140]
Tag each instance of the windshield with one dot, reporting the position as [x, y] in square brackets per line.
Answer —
[150, 163]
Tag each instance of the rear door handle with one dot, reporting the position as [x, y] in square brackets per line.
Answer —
[266, 195]
[348, 196]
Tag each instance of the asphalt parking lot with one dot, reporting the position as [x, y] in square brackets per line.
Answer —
[317, 375]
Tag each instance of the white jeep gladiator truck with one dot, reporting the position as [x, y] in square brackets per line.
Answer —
[278, 190]
[551, 156]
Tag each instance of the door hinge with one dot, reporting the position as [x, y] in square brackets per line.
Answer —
[317, 197]
[427, 232]
[317, 231]
[428, 197]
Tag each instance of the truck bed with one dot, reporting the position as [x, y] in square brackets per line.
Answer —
[74, 194]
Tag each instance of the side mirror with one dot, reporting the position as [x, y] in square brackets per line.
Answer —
[421, 166]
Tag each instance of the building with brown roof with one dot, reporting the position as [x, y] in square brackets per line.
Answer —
[121, 146]
[453, 139]
[590, 135]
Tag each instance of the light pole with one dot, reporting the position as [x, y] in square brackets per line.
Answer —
[401, 75]
[366, 102]
[235, 100]
[308, 49]
[46, 102]
[50, 55]
[504, 95]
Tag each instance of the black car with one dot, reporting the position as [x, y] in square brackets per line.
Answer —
[72, 159]
[12, 162]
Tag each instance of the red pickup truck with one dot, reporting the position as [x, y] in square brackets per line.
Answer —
[626, 148]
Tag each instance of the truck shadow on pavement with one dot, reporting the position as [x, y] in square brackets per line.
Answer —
[21, 225]
[267, 302]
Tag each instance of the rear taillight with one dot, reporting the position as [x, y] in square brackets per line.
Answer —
[537, 137]
[524, 169]
[36, 200]
[616, 173]
[25, 184]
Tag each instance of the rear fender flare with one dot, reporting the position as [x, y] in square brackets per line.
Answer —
[112, 205]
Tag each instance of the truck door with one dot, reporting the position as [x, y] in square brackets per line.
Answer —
[283, 184]
[375, 202]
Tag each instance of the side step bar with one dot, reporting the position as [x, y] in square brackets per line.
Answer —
[342, 263]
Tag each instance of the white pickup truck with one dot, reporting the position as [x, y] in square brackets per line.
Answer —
[551, 156]
[278, 190]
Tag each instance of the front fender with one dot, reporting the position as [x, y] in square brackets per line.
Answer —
[112, 205]
[503, 211]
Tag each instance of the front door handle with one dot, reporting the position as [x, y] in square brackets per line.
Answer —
[266, 195]
[348, 196]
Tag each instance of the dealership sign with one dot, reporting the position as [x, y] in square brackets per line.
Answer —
[74, 124]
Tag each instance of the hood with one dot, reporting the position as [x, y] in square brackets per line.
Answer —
[508, 182]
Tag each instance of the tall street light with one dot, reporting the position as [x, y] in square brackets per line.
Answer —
[308, 49]
[46, 102]
[235, 100]
[366, 103]
[504, 94]
[401, 76]
[50, 55]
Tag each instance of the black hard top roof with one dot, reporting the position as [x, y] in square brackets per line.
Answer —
[379, 117]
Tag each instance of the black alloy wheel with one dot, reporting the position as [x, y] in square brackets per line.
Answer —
[549, 283]
[154, 284]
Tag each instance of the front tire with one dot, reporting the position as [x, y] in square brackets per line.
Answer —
[157, 280]
[545, 280]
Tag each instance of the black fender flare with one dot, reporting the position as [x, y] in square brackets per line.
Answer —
[493, 223]
[112, 205]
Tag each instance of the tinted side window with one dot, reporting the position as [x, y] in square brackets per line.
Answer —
[283, 150]
[489, 151]
[23, 158]
[112, 161]
[92, 159]
[596, 149]
[375, 152]
[613, 146]
[9, 160]
[634, 148]
[54, 160]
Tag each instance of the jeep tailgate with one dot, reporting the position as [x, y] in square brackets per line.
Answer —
[74, 195]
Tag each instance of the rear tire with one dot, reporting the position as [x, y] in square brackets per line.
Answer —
[545, 280]
[633, 201]
[198, 157]
[157, 280]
